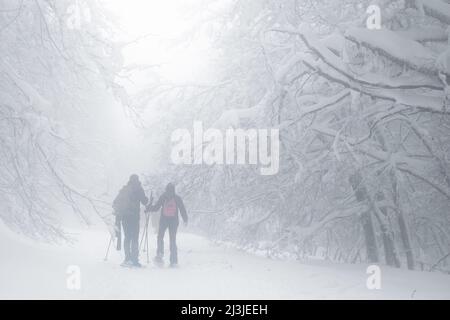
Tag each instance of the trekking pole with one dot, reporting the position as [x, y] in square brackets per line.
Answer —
[142, 239]
[147, 217]
[109, 246]
[146, 236]
[146, 230]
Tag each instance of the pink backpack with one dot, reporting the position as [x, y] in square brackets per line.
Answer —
[170, 208]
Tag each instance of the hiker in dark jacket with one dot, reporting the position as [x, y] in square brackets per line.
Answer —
[170, 205]
[127, 206]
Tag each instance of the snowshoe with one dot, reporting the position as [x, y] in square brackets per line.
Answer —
[126, 264]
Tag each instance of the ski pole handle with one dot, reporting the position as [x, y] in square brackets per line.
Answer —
[150, 203]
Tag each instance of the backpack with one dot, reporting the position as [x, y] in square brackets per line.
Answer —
[122, 201]
[170, 208]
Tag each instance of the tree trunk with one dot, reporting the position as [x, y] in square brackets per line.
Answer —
[404, 233]
[369, 232]
[405, 239]
[390, 253]
[366, 219]
[387, 234]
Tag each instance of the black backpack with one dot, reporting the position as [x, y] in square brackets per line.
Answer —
[121, 204]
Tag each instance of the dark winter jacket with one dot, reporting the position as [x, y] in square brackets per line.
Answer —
[129, 199]
[166, 196]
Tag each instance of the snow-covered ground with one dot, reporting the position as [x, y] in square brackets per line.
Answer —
[207, 271]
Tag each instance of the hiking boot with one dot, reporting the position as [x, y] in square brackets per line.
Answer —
[137, 264]
[126, 263]
[174, 265]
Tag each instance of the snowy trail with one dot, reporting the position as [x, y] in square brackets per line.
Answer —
[207, 271]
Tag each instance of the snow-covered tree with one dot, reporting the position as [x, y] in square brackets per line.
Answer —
[57, 62]
[364, 122]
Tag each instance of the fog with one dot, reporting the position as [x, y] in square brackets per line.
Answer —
[293, 138]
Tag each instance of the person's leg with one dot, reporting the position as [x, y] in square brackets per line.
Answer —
[127, 240]
[173, 226]
[161, 232]
[135, 238]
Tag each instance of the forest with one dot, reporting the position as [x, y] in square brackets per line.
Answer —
[362, 111]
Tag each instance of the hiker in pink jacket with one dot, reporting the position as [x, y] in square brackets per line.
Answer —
[171, 206]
